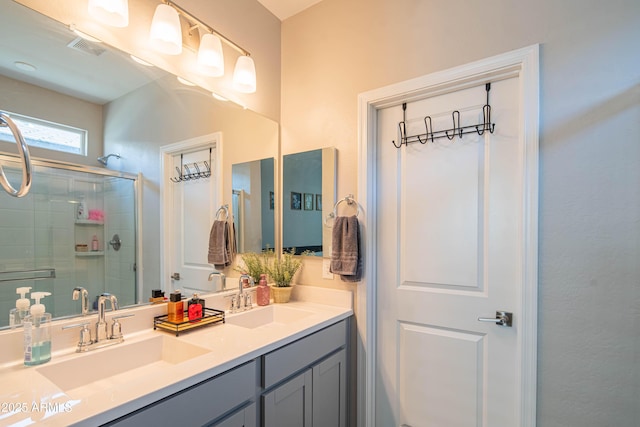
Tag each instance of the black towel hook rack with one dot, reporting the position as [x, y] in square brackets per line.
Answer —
[450, 134]
[194, 174]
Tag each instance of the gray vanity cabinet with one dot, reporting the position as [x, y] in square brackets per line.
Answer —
[316, 394]
[244, 417]
[301, 384]
[289, 404]
[204, 403]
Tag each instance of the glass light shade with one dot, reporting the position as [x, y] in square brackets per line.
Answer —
[210, 57]
[165, 35]
[110, 12]
[244, 75]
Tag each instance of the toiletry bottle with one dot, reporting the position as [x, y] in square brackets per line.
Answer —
[81, 212]
[17, 315]
[195, 308]
[94, 243]
[37, 332]
[175, 307]
[263, 290]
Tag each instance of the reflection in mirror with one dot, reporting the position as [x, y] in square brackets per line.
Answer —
[65, 224]
[124, 106]
[253, 205]
[308, 195]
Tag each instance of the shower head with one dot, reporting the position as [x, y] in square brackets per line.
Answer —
[105, 159]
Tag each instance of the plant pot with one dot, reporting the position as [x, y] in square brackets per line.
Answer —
[281, 294]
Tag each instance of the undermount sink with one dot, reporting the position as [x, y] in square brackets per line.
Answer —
[88, 368]
[271, 314]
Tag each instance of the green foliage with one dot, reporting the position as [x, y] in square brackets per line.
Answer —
[254, 264]
[281, 270]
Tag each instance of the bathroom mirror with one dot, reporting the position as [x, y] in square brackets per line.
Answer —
[253, 205]
[96, 97]
[308, 196]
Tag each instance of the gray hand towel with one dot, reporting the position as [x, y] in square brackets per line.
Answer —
[346, 258]
[221, 248]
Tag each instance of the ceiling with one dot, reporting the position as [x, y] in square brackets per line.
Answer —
[286, 8]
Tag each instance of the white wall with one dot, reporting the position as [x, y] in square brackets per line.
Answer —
[590, 159]
[34, 101]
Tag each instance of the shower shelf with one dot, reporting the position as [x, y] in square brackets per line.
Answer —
[90, 254]
[88, 222]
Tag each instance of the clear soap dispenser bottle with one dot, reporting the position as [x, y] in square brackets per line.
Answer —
[17, 315]
[37, 333]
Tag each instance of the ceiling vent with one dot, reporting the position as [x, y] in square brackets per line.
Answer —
[86, 46]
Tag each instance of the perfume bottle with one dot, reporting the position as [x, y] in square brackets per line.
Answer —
[175, 307]
[195, 308]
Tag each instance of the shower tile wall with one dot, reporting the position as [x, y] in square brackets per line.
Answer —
[36, 233]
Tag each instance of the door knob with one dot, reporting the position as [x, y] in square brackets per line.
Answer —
[502, 318]
[175, 276]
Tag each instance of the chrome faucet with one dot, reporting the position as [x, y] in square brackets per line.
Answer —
[242, 301]
[102, 337]
[101, 324]
[223, 278]
[80, 291]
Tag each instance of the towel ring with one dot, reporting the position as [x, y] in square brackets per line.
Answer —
[350, 200]
[225, 209]
[23, 150]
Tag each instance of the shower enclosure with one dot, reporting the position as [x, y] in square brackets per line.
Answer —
[76, 227]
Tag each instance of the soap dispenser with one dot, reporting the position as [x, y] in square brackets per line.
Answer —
[17, 315]
[263, 290]
[37, 332]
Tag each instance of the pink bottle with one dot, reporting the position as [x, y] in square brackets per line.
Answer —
[263, 290]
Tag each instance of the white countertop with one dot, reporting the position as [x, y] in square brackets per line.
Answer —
[28, 397]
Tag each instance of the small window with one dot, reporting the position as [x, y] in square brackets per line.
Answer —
[48, 135]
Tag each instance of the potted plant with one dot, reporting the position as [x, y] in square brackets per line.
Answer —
[281, 271]
[254, 265]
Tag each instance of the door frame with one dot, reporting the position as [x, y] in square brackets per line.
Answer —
[523, 63]
[167, 152]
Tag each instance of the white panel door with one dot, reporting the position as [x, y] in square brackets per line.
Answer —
[450, 223]
[194, 207]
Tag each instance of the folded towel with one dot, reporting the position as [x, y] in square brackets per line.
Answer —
[346, 259]
[221, 244]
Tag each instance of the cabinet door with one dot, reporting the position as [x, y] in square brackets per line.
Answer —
[289, 405]
[245, 417]
[330, 391]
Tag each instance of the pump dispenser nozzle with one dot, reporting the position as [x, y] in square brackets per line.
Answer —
[38, 308]
[23, 302]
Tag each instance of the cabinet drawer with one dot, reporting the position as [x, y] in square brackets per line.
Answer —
[200, 404]
[286, 361]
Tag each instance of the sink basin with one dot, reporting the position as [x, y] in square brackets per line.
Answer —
[271, 314]
[105, 364]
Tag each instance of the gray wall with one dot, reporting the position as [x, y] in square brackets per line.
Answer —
[589, 281]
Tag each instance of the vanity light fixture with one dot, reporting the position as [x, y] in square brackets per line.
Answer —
[244, 75]
[165, 35]
[210, 57]
[110, 12]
